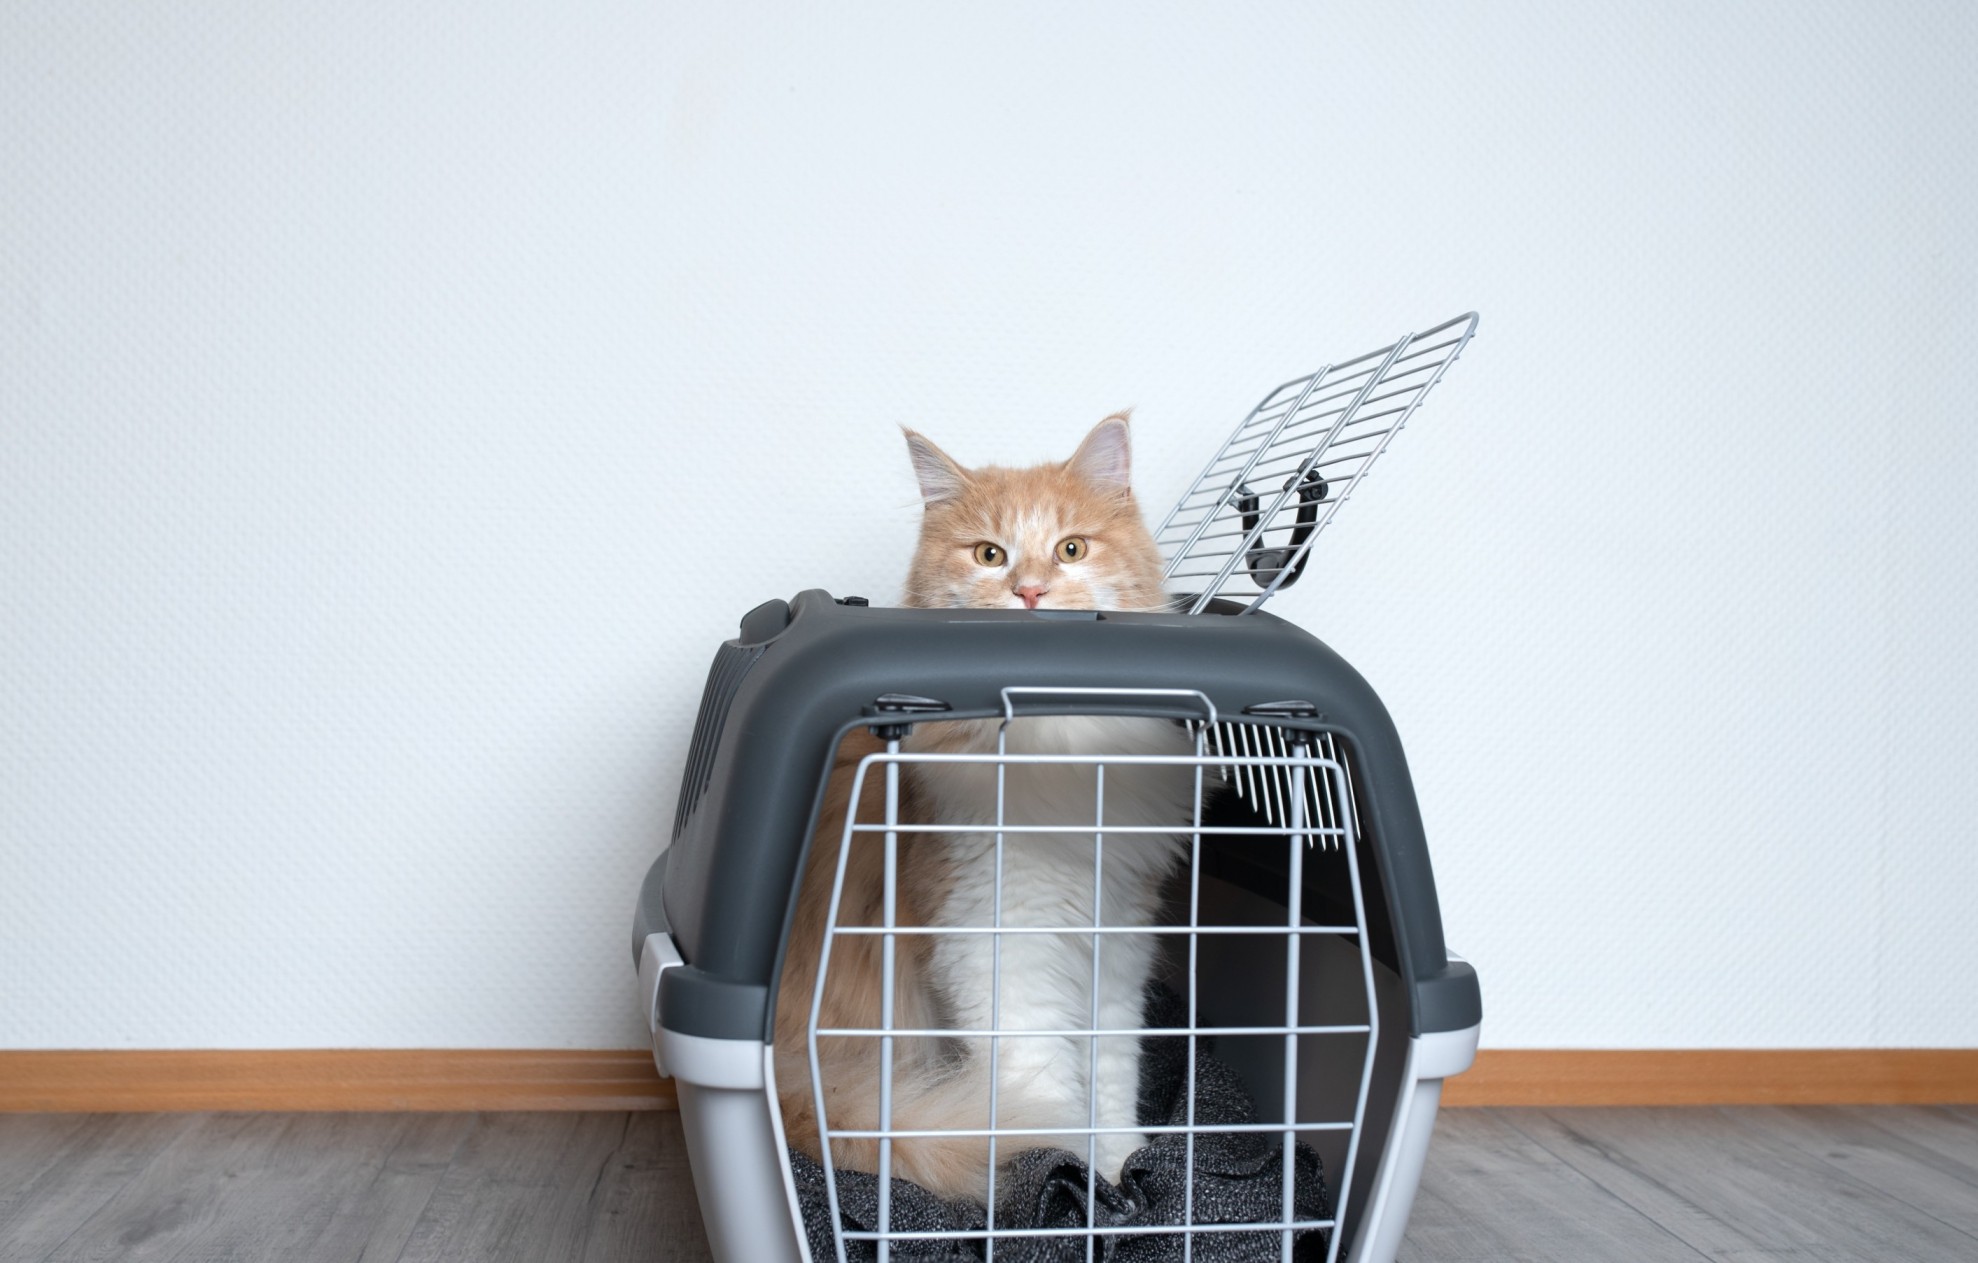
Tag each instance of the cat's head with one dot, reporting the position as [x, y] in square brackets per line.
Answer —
[1054, 536]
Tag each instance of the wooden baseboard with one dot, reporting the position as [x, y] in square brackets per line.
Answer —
[615, 1079]
[1719, 1076]
[333, 1079]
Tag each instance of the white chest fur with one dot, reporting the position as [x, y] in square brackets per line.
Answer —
[1066, 873]
[1065, 795]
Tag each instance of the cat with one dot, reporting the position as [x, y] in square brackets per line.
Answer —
[1055, 536]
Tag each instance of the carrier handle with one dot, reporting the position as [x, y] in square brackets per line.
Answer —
[1264, 563]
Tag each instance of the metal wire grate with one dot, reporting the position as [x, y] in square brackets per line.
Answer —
[1260, 503]
[1295, 782]
[1269, 788]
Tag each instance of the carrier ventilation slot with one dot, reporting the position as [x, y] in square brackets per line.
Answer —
[1257, 508]
[1267, 790]
[731, 663]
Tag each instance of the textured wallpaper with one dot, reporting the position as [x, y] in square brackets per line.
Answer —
[399, 403]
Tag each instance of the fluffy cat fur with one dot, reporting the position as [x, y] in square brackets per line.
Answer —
[1025, 517]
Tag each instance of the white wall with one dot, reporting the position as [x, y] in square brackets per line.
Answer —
[398, 403]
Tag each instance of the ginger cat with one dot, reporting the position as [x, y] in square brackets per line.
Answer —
[1054, 536]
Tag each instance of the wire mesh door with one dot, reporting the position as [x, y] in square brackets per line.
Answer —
[1257, 507]
[1234, 1011]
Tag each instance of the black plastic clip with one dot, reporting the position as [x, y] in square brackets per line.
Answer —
[901, 704]
[1290, 708]
[1265, 563]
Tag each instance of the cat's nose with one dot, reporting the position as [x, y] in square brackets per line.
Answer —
[1032, 593]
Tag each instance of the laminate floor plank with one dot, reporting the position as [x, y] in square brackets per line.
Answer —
[28, 1143]
[1891, 1184]
[523, 1187]
[1949, 1130]
[1489, 1192]
[66, 1169]
[645, 1210]
[251, 1186]
[1733, 1195]
[1885, 1160]
[376, 1220]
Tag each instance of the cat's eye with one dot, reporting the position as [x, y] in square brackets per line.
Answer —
[1072, 549]
[988, 555]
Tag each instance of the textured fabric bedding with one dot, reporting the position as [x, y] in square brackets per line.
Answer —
[1238, 1179]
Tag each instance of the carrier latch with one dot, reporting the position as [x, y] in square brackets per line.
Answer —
[1290, 708]
[901, 704]
[764, 623]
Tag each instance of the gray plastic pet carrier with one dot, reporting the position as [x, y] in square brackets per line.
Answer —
[1305, 1009]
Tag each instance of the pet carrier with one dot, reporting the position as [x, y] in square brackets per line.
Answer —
[1304, 1009]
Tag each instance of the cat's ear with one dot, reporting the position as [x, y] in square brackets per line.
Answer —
[1104, 457]
[940, 477]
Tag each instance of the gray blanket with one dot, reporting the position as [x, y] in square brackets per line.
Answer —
[1238, 1179]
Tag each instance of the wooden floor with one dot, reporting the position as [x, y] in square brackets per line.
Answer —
[1892, 1184]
